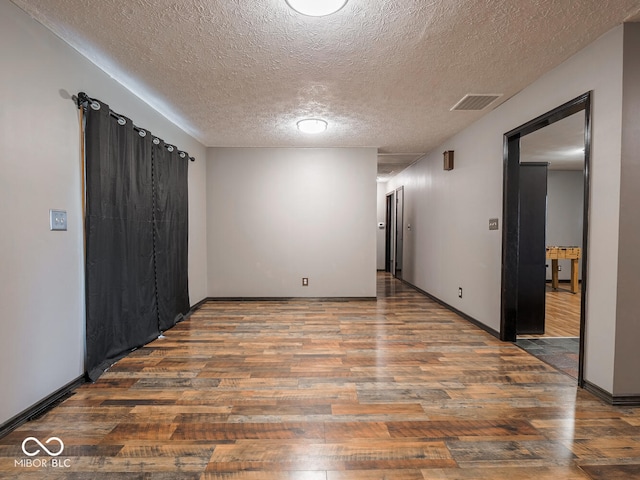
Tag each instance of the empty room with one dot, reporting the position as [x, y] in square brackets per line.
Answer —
[303, 240]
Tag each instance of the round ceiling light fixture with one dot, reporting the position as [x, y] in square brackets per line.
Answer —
[316, 8]
[312, 125]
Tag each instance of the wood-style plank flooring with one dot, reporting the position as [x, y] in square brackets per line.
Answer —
[399, 388]
[559, 345]
[562, 312]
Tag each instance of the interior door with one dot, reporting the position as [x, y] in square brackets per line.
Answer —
[532, 248]
[391, 233]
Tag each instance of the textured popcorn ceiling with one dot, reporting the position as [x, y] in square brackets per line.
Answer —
[383, 73]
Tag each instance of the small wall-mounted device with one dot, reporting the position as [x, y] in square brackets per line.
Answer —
[448, 160]
[381, 225]
[305, 282]
[493, 224]
[58, 220]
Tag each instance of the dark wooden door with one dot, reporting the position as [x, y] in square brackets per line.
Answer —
[532, 248]
[388, 233]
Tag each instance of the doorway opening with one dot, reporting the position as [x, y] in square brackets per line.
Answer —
[545, 217]
[389, 249]
[395, 232]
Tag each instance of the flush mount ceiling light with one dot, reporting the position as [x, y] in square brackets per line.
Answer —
[312, 125]
[316, 8]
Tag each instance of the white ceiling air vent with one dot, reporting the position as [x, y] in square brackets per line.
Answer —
[473, 101]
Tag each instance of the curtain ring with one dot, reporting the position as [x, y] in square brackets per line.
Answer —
[182, 154]
[122, 121]
[156, 141]
[142, 133]
[170, 148]
[95, 105]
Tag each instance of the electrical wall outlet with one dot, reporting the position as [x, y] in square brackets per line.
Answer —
[57, 219]
[305, 282]
[459, 292]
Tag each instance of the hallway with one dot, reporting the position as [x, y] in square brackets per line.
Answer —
[399, 388]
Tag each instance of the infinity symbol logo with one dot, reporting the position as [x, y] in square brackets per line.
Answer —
[41, 445]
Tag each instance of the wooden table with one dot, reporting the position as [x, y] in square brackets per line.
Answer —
[560, 253]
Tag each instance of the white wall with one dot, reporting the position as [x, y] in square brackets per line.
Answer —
[381, 233]
[279, 214]
[41, 272]
[565, 199]
[450, 244]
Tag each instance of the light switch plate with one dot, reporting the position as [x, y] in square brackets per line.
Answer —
[493, 224]
[58, 219]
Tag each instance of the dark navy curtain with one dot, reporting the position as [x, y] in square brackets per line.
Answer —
[136, 238]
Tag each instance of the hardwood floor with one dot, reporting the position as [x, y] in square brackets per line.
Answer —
[559, 345]
[562, 312]
[399, 388]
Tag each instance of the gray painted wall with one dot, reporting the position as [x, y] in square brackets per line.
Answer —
[627, 327]
[564, 214]
[279, 214]
[381, 233]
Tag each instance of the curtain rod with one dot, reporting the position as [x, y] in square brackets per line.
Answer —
[84, 101]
